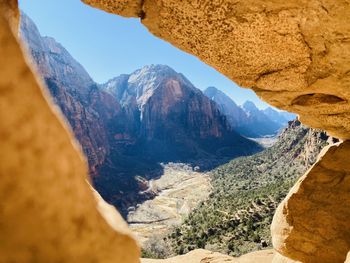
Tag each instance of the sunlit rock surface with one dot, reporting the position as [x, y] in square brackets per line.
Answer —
[128, 8]
[312, 223]
[205, 256]
[47, 210]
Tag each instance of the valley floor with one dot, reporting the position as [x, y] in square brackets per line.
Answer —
[179, 190]
[267, 141]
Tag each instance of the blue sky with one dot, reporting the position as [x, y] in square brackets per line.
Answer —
[108, 45]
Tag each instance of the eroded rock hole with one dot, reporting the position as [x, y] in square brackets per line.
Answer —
[133, 124]
[317, 98]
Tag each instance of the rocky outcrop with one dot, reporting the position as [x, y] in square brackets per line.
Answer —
[84, 106]
[128, 8]
[47, 210]
[289, 53]
[12, 12]
[312, 223]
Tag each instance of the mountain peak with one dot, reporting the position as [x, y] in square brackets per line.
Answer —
[217, 95]
[212, 92]
[270, 109]
[62, 66]
[249, 106]
[156, 69]
[142, 83]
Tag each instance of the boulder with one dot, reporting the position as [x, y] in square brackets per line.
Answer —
[312, 224]
[48, 212]
[205, 256]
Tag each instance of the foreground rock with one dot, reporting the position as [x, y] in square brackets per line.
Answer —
[46, 219]
[47, 212]
[205, 256]
[313, 223]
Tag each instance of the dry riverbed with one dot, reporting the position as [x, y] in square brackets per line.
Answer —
[180, 189]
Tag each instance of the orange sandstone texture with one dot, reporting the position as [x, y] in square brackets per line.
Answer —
[11, 11]
[312, 224]
[205, 256]
[127, 8]
[48, 212]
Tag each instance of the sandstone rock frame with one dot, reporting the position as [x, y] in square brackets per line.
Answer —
[48, 212]
[294, 54]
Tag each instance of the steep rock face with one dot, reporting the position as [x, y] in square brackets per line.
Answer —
[324, 225]
[248, 120]
[103, 128]
[257, 124]
[289, 53]
[235, 115]
[74, 91]
[177, 122]
[48, 212]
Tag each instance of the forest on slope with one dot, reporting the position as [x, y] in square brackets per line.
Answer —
[236, 217]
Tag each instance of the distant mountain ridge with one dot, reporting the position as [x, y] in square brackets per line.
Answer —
[131, 123]
[176, 115]
[247, 119]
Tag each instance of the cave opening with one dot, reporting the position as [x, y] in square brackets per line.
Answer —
[144, 127]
